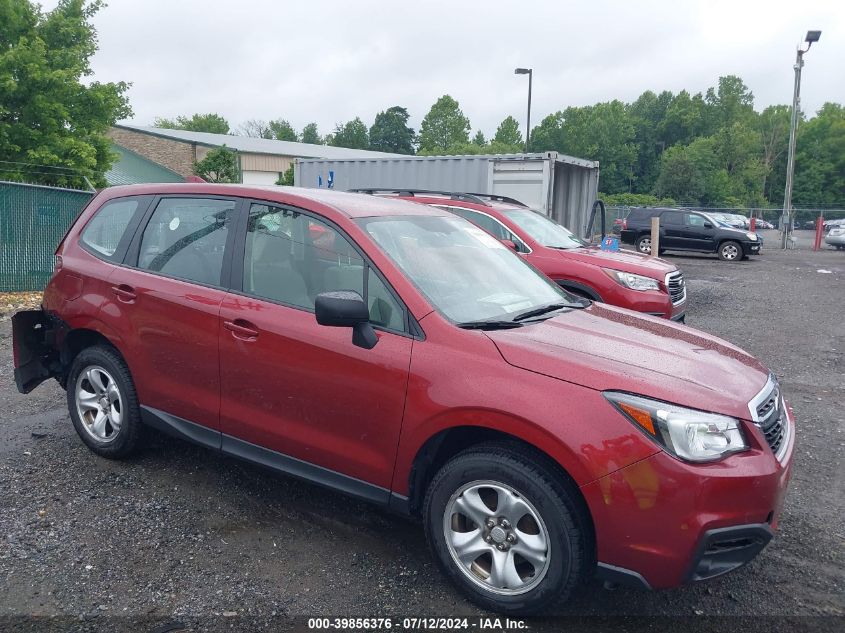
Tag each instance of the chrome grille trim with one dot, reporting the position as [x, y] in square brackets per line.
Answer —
[769, 403]
[676, 287]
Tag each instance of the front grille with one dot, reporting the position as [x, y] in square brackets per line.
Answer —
[676, 287]
[771, 418]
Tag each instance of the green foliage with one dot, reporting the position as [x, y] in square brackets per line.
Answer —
[508, 133]
[390, 132]
[48, 116]
[820, 158]
[310, 134]
[680, 176]
[351, 134]
[281, 130]
[443, 127]
[286, 178]
[603, 132]
[212, 123]
[479, 139]
[636, 200]
[219, 165]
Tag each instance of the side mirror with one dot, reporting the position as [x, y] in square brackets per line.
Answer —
[707, 225]
[510, 244]
[345, 308]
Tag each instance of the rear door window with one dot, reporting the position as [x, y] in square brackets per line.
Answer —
[672, 218]
[186, 238]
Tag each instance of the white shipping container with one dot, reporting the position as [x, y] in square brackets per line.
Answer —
[562, 187]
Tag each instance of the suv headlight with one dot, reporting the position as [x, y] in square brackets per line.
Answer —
[751, 236]
[632, 281]
[691, 435]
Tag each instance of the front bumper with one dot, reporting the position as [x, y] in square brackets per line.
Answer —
[662, 522]
[751, 248]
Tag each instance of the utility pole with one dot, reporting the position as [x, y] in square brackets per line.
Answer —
[786, 218]
[530, 73]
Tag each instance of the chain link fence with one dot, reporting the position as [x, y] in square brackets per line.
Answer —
[33, 218]
[773, 215]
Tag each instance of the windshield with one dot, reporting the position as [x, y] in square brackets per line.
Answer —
[543, 229]
[464, 272]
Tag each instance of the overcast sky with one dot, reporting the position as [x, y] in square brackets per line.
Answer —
[329, 61]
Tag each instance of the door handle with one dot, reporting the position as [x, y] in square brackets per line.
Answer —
[241, 329]
[125, 293]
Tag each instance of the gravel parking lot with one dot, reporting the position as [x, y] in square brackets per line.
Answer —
[181, 534]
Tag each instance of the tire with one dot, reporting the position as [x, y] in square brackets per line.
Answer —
[108, 420]
[730, 251]
[544, 515]
[644, 244]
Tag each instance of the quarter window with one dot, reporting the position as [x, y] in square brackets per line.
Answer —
[105, 230]
[186, 238]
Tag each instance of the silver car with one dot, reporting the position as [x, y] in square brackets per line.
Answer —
[836, 237]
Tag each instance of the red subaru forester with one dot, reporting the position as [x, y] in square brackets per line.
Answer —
[621, 278]
[398, 353]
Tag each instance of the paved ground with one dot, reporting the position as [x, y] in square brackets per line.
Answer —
[183, 534]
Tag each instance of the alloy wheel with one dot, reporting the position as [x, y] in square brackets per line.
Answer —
[496, 537]
[99, 403]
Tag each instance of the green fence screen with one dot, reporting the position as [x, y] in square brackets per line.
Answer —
[33, 219]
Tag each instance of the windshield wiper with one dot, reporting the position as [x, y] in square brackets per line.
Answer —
[551, 307]
[488, 325]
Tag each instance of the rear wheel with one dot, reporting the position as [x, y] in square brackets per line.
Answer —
[507, 530]
[730, 251]
[644, 244]
[103, 404]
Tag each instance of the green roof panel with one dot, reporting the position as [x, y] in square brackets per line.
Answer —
[133, 169]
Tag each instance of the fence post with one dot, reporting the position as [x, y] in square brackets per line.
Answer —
[655, 235]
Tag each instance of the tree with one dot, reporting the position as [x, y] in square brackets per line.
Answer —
[684, 119]
[281, 130]
[443, 126]
[731, 102]
[820, 158]
[680, 177]
[351, 134]
[50, 120]
[256, 128]
[773, 127]
[646, 114]
[311, 135]
[213, 123]
[286, 179]
[508, 133]
[390, 132]
[479, 139]
[219, 165]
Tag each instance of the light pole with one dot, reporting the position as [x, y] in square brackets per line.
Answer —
[786, 218]
[530, 73]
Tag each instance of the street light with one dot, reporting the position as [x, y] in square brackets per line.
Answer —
[529, 72]
[786, 218]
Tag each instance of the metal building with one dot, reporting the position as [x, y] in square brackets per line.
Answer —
[560, 186]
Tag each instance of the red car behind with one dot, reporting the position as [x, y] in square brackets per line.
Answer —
[625, 279]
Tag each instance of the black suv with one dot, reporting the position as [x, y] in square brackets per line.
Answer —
[686, 230]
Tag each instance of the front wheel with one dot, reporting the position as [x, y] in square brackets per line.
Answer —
[507, 530]
[730, 251]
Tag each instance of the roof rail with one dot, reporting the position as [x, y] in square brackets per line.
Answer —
[476, 198]
[497, 198]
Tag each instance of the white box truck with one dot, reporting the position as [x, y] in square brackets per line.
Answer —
[562, 187]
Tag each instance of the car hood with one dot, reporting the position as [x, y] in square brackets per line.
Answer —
[603, 347]
[626, 261]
